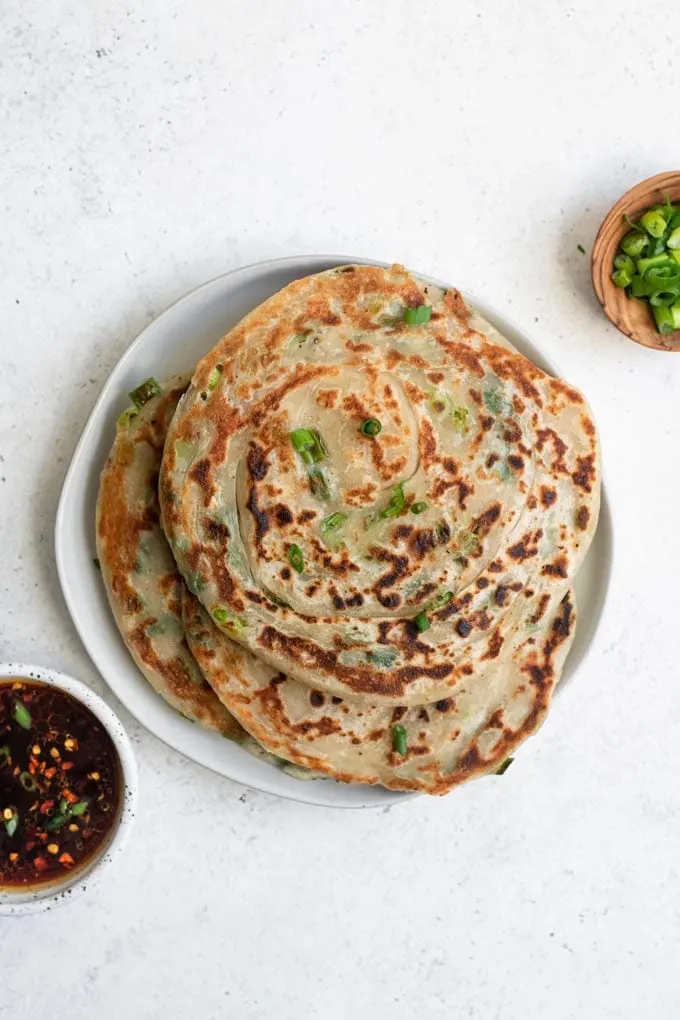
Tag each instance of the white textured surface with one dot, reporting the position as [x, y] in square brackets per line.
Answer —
[148, 147]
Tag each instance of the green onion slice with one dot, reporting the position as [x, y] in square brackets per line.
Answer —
[309, 445]
[12, 824]
[126, 417]
[80, 808]
[504, 766]
[396, 503]
[439, 602]
[295, 558]
[214, 377]
[333, 522]
[418, 508]
[371, 427]
[21, 715]
[318, 484]
[56, 822]
[144, 392]
[654, 222]
[417, 316]
[28, 781]
[634, 243]
[228, 619]
[4, 756]
[421, 623]
[399, 739]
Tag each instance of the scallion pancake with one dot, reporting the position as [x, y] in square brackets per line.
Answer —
[377, 562]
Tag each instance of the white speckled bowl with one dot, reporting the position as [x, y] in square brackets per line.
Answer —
[16, 902]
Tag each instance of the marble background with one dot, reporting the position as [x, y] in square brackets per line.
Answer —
[148, 147]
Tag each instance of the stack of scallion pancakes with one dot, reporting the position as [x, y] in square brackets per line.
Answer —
[349, 541]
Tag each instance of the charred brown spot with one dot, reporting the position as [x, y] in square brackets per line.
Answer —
[316, 698]
[464, 490]
[285, 573]
[548, 496]
[515, 462]
[494, 646]
[582, 518]
[543, 604]
[444, 705]
[513, 432]
[398, 713]
[402, 531]
[556, 569]
[354, 601]
[258, 464]
[526, 547]
[200, 473]
[216, 530]
[282, 514]
[501, 595]
[584, 475]
[463, 627]
[482, 582]
[486, 422]
[492, 459]
[481, 525]
[306, 515]
[260, 516]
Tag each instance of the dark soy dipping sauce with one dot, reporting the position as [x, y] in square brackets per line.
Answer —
[60, 784]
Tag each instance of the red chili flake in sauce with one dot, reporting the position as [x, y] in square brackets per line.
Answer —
[60, 783]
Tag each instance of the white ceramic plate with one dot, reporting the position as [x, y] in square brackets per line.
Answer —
[174, 342]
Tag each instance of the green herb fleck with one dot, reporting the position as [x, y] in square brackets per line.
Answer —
[460, 417]
[295, 558]
[418, 508]
[371, 427]
[281, 603]
[319, 484]
[396, 503]
[382, 657]
[504, 766]
[28, 781]
[494, 401]
[145, 392]
[195, 582]
[214, 377]
[126, 417]
[309, 444]
[581, 249]
[421, 623]
[332, 522]
[12, 823]
[56, 822]
[399, 739]
[96, 562]
[227, 619]
[417, 316]
[21, 715]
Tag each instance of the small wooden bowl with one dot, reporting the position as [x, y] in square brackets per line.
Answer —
[631, 315]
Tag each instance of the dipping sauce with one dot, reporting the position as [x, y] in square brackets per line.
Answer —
[60, 783]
